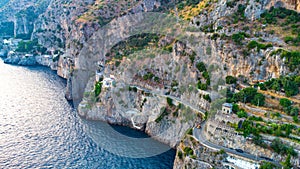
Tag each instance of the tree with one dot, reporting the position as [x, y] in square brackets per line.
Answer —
[201, 66]
[98, 87]
[202, 86]
[249, 94]
[275, 85]
[295, 118]
[285, 102]
[169, 101]
[235, 108]
[207, 97]
[297, 80]
[290, 87]
[231, 80]
[267, 165]
[262, 86]
[205, 75]
[279, 147]
[287, 163]
[258, 100]
[294, 111]
[242, 114]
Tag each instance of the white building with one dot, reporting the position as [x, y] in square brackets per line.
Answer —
[108, 82]
[227, 108]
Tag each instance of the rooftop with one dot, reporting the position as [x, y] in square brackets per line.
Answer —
[227, 105]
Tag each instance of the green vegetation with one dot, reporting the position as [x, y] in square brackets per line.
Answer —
[288, 19]
[289, 109]
[207, 97]
[235, 108]
[26, 46]
[268, 165]
[207, 28]
[292, 58]
[133, 44]
[253, 44]
[287, 163]
[258, 100]
[231, 80]
[170, 101]
[231, 3]
[30, 46]
[185, 3]
[285, 102]
[179, 153]
[242, 114]
[254, 125]
[202, 86]
[134, 89]
[222, 151]
[205, 75]
[288, 84]
[98, 87]
[164, 112]
[201, 67]
[240, 14]
[148, 76]
[280, 148]
[189, 131]
[192, 58]
[274, 14]
[247, 95]
[188, 151]
[237, 38]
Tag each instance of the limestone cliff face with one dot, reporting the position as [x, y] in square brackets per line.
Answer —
[68, 27]
[289, 4]
[22, 13]
[222, 56]
[139, 103]
[138, 110]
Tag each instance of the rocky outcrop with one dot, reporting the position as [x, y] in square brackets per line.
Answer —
[19, 59]
[192, 154]
[47, 60]
[31, 60]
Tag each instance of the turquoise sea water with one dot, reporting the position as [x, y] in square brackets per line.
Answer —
[40, 129]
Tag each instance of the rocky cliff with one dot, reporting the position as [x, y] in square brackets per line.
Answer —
[18, 17]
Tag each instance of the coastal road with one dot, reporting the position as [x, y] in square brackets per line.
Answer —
[198, 135]
[173, 98]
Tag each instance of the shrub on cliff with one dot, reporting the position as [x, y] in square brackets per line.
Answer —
[170, 101]
[201, 67]
[231, 80]
[98, 87]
